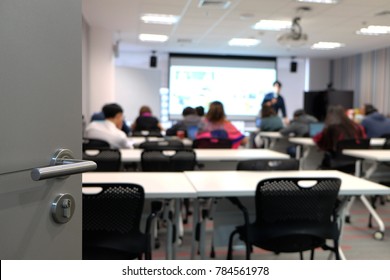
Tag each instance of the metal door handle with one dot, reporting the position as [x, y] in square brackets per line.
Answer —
[62, 164]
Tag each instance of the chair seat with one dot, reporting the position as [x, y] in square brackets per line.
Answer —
[113, 245]
[289, 237]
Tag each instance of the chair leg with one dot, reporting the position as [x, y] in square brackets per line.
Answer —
[230, 246]
[336, 250]
[312, 254]
[248, 250]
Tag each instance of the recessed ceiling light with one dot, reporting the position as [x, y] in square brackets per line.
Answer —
[243, 42]
[320, 1]
[159, 19]
[374, 30]
[326, 45]
[153, 38]
[272, 25]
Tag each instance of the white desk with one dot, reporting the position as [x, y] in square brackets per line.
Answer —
[134, 155]
[269, 138]
[376, 156]
[305, 144]
[244, 183]
[157, 185]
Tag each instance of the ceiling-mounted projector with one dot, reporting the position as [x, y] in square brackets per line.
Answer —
[294, 37]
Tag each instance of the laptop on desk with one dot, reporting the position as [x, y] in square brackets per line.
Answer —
[315, 128]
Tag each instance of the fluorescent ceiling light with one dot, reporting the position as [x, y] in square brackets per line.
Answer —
[243, 42]
[159, 19]
[326, 45]
[272, 25]
[320, 1]
[152, 38]
[374, 30]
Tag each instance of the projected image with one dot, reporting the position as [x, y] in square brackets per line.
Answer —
[240, 89]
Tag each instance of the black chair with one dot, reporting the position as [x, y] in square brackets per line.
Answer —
[259, 165]
[162, 145]
[168, 160]
[212, 143]
[338, 161]
[292, 215]
[106, 159]
[111, 223]
[267, 164]
[89, 143]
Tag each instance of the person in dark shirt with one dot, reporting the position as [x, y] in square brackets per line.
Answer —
[146, 121]
[375, 124]
[276, 100]
[190, 118]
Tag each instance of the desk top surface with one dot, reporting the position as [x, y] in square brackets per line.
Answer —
[372, 154]
[306, 141]
[243, 183]
[271, 134]
[155, 184]
[134, 155]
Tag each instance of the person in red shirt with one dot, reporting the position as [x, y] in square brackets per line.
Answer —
[337, 127]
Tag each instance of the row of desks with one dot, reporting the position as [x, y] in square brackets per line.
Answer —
[198, 184]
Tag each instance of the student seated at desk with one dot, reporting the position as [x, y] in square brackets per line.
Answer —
[215, 125]
[146, 121]
[298, 127]
[190, 118]
[109, 130]
[337, 127]
[270, 121]
[375, 124]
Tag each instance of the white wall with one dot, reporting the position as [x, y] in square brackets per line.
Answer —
[319, 77]
[293, 84]
[101, 70]
[137, 87]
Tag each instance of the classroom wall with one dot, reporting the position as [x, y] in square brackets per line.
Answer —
[135, 87]
[101, 83]
[367, 74]
[293, 84]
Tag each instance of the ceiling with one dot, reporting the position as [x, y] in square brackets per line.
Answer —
[208, 29]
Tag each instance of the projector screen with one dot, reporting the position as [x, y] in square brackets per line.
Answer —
[240, 83]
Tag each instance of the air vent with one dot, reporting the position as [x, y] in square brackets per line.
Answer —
[383, 13]
[184, 41]
[214, 4]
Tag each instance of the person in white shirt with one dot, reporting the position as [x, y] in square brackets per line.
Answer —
[109, 130]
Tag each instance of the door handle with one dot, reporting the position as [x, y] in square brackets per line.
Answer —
[62, 164]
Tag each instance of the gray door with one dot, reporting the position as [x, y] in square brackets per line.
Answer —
[40, 111]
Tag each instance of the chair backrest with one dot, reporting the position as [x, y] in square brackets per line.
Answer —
[353, 144]
[106, 159]
[168, 160]
[212, 143]
[269, 164]
[147, 133]
[296, 200]
[89, 143]
[162, 145]
[116, 209]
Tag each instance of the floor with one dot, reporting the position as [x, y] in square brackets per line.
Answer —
[357, 241]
